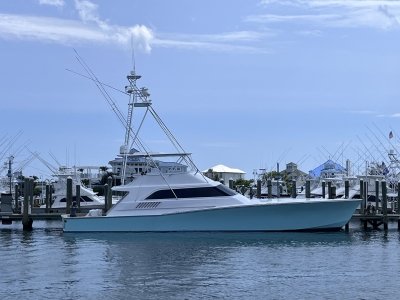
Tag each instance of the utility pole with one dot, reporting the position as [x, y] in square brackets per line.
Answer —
[9, 173]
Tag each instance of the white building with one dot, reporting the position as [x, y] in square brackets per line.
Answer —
[221, 172]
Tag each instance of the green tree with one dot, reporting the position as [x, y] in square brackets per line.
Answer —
[105, 176]
[243, 182]
[103, 168]
[279, 176]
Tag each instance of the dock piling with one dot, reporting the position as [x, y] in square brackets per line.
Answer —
[362, 187]
[346, 189]
[258, 188]
[26, 220]
[365, 193]
[269, 186]
[51, 195]
[329, 190]
[362, 195]
[69, 195]
[398, 197]
[105, 197]
[16, 196]
[109, 202]
[30, 192]
[333, 192]
[398, 205]
[294, 192]
[323, 188]
[376, 195]
[308, 189]
[47, 198]
[78, 197]
[384, 205]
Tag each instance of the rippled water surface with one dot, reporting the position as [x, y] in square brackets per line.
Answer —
[48, 264]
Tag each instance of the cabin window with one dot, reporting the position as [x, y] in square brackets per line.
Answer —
[86, 199]
[216, 191]
[83, 199]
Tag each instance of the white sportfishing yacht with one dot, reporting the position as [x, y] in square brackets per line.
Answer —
[88, 198]
[167, 199]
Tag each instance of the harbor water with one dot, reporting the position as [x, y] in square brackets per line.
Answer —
[49, 264]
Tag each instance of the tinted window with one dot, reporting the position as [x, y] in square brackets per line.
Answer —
[216, 191]
[225, 189]
[86, 199]
[83, 199]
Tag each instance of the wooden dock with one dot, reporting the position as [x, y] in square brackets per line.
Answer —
[41, 214]
[376, 220]
[7, 218]
[12, 210]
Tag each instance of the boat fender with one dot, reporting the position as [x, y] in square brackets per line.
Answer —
[95, 213]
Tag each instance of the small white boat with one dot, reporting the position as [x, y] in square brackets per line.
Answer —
[168, 199]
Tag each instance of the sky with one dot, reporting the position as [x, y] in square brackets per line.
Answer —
[246, 84]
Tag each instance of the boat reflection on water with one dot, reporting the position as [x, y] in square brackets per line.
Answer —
[217, 239]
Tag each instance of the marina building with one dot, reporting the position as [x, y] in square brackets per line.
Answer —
[221, 172]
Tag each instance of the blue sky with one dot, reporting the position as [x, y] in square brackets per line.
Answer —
[242, 83]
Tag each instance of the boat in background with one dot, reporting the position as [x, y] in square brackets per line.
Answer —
[88, 198]
[165, 199]
[136, 164]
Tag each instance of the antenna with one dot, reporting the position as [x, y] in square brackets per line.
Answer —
[133, 56]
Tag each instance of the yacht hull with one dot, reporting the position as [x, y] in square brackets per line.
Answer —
[303, 215]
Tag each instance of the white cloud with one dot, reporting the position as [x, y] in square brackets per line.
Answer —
[236, 36]
[199, 45]
[271, 18]
[312, 33]
[381, 14]
[58, 3]
[92, 28]
[87, 10]
[331, 3]
[280, 2]
[238, 41]
[393, 115]
[350, 3]
[75, 32]
[71, 31]
[363, 112]
[88, 13]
